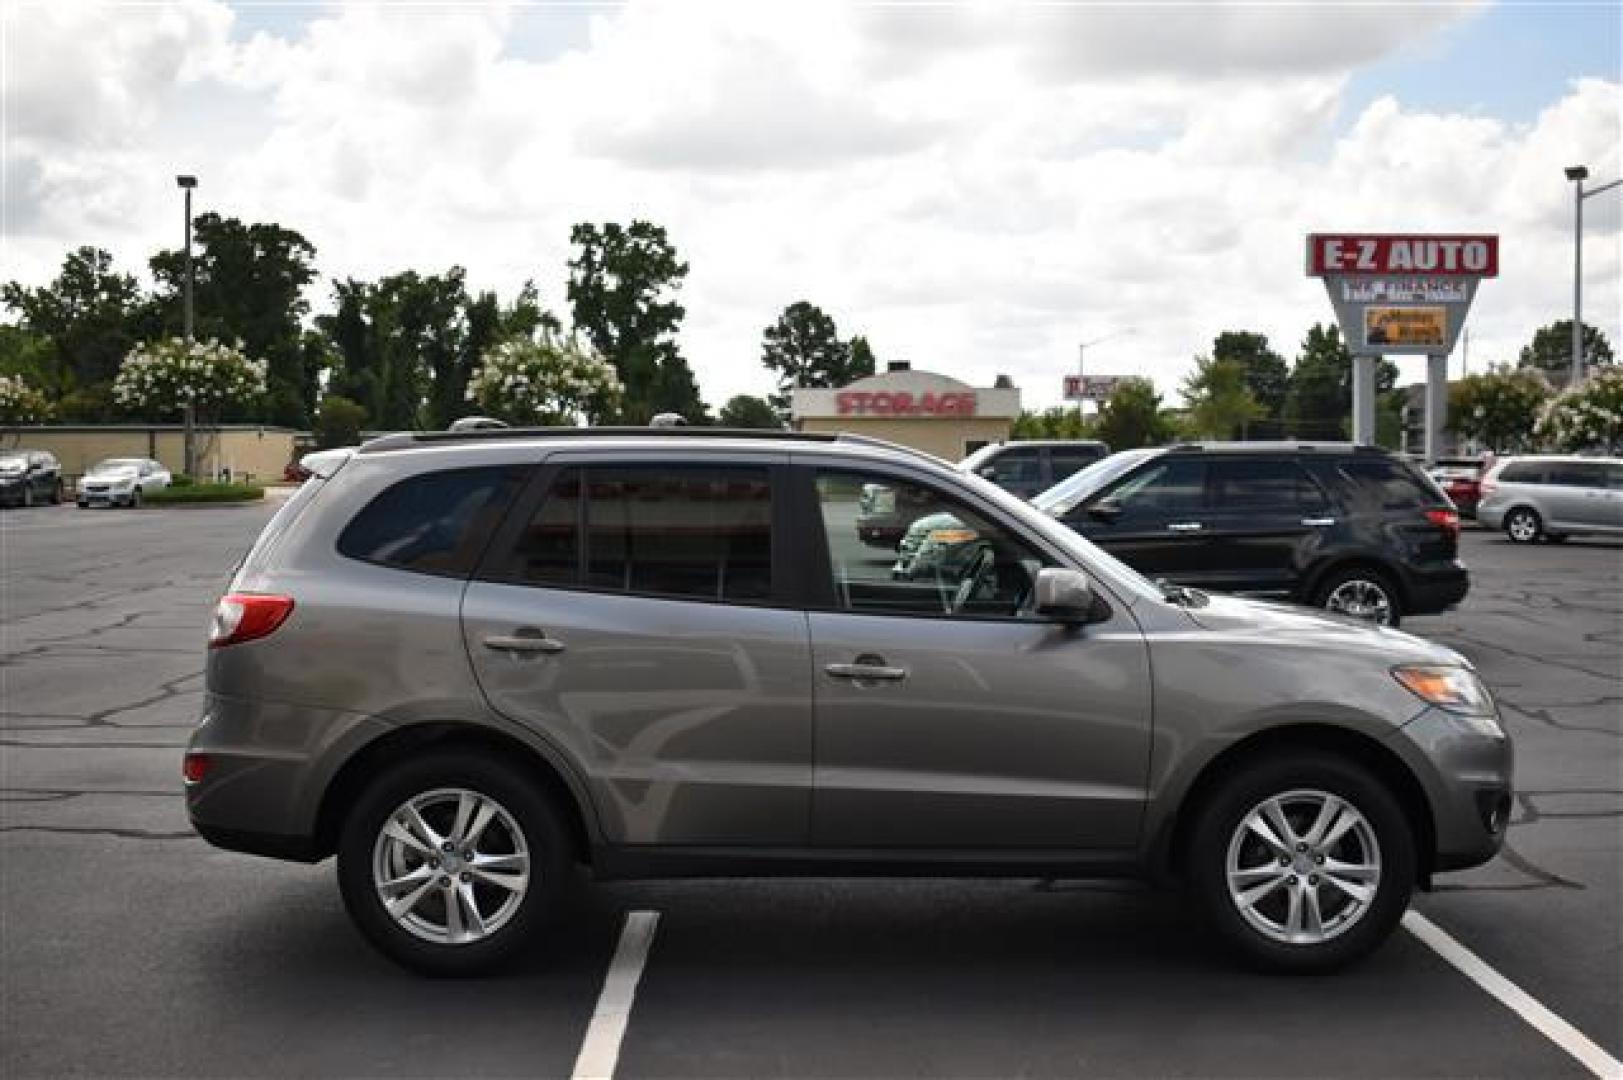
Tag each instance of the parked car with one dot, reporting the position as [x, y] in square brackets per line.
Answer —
[464, 662]
[1352, 529]
[28, 477]
[1553, 497]
[1460, 479]
[1029, 466]
[122, 482]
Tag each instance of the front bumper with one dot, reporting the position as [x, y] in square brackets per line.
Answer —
[1467, 776]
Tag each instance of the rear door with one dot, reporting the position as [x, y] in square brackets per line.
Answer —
[1576, 495]
[1152, 519]
[1263, 524]
[630, 611]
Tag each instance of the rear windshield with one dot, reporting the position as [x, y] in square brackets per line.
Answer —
[435, 523]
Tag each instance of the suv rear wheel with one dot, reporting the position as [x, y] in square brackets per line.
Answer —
[1362, 592]
[1303, 862]
[1523, 525]
[448, 864]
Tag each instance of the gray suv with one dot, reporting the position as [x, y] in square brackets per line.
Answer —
[466, 662]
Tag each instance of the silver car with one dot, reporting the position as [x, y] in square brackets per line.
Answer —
[121, 482]
[1552, 497]
[464, 662]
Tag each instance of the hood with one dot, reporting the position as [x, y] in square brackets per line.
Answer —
[1277, 623]
[126, 473]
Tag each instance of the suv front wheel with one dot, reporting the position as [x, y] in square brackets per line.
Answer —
[448, 864]
[1302, 862]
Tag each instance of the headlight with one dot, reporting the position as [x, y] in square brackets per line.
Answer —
[1452, 689]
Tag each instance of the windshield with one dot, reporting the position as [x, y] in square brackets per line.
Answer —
[1060, 499]
[115, 465]
[13, 461]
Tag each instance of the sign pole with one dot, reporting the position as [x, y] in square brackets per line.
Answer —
[1363, 399]
[1436, 404]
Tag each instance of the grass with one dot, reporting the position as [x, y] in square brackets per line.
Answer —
[204, 493]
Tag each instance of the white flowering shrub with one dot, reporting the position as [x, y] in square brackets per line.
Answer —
[160, 377]
[19, 402]
[546, 380]
[1589, 416]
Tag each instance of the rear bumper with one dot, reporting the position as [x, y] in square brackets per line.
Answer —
[1436, 589]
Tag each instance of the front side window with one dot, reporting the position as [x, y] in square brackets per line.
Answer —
[951, 560]
[434, 523]
[682, 531]
[1171, 486]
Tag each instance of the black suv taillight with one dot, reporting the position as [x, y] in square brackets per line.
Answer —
[1446, 520]
[240, 617]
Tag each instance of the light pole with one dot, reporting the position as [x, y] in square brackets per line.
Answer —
[1578, 174]
[189, 448]
[1082, 354]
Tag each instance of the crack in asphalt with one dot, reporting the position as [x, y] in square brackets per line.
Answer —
[93, 830]
[1544, 716]
[1607, 676]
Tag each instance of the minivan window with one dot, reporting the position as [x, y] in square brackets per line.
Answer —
[1523, 472]
[693, 531]
[433, 523]
[1589, 474]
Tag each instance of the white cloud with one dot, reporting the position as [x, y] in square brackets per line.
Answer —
[976, 188]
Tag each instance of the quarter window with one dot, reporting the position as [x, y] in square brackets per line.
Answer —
[1390, 485]
[435, 523]
[688, 531]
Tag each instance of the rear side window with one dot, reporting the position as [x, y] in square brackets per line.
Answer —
[1066, 460]
[1015, 467]
[435, 523]
[1522, 472]
[702, 532]
[1261, 484]
[1589, 474]
[1379, 484]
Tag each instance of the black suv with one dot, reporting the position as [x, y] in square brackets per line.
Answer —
[29, 476]
[1349, 528]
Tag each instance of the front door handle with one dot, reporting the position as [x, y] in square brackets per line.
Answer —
[1319, 521]
[865, 669]
[1185, 526]
[525, 641]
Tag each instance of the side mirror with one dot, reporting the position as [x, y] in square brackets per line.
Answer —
[1105, 510]
[1064, 594]
[988, 472]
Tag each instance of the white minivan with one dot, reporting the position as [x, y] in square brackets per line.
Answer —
[1552, 497]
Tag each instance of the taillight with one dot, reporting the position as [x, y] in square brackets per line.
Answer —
[1446, 520]
[195, 767]
[240, 617]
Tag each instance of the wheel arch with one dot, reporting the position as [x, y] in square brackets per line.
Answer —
[1388, 570]
[403, 743]
[1379, 759]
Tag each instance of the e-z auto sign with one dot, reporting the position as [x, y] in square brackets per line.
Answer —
[1384, 253]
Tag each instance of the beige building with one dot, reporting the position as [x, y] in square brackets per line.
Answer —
[250, 451]
[926, 411]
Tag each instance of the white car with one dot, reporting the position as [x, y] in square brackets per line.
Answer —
[121, 481]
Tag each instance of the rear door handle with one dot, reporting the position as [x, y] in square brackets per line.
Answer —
[1185, 526]
[532, 642]
[877, 672]
[1318, 521]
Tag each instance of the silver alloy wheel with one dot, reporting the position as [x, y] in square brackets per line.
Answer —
[451, 866]
[1303, 867]
[1522, 527]
[1362, 599]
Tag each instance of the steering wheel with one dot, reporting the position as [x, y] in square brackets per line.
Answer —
[985, 558]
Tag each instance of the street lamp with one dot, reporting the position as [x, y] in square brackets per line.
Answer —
[1578, 174]
[1082, 353]
[189, 450]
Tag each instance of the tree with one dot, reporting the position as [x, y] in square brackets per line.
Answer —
[1055, 423]
[1132, 417]
[249, 287]
[89, 317]
[862, 358]
[20, 403]
[1267, 375]
[620, 281]
[1220, 404]
[1319, 402]
[804, 348]
[339, 422]
[1588, 416]
[160, 378]
[1550, 351]
[747, 411]
[545, 380]
[1498, 409]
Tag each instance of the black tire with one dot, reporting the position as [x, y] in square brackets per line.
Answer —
[56, 493]
[1523, 525]
[135, 499]
[1222, 813]
[544, 835]
[1352, 577]
[28, 493]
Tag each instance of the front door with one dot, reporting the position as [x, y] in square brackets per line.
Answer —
[629, 615]
[1152, 519]
[948, 715]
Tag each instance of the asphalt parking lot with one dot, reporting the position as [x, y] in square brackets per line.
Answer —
[129, 947]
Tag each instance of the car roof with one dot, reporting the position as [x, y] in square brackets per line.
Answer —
[1278, 447]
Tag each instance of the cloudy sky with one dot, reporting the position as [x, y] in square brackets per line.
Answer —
[978, 187]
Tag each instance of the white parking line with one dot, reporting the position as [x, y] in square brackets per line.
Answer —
[600, 1050]
[1513, 997]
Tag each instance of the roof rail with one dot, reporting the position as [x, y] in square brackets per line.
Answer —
[1259, 446]
[402, 440]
